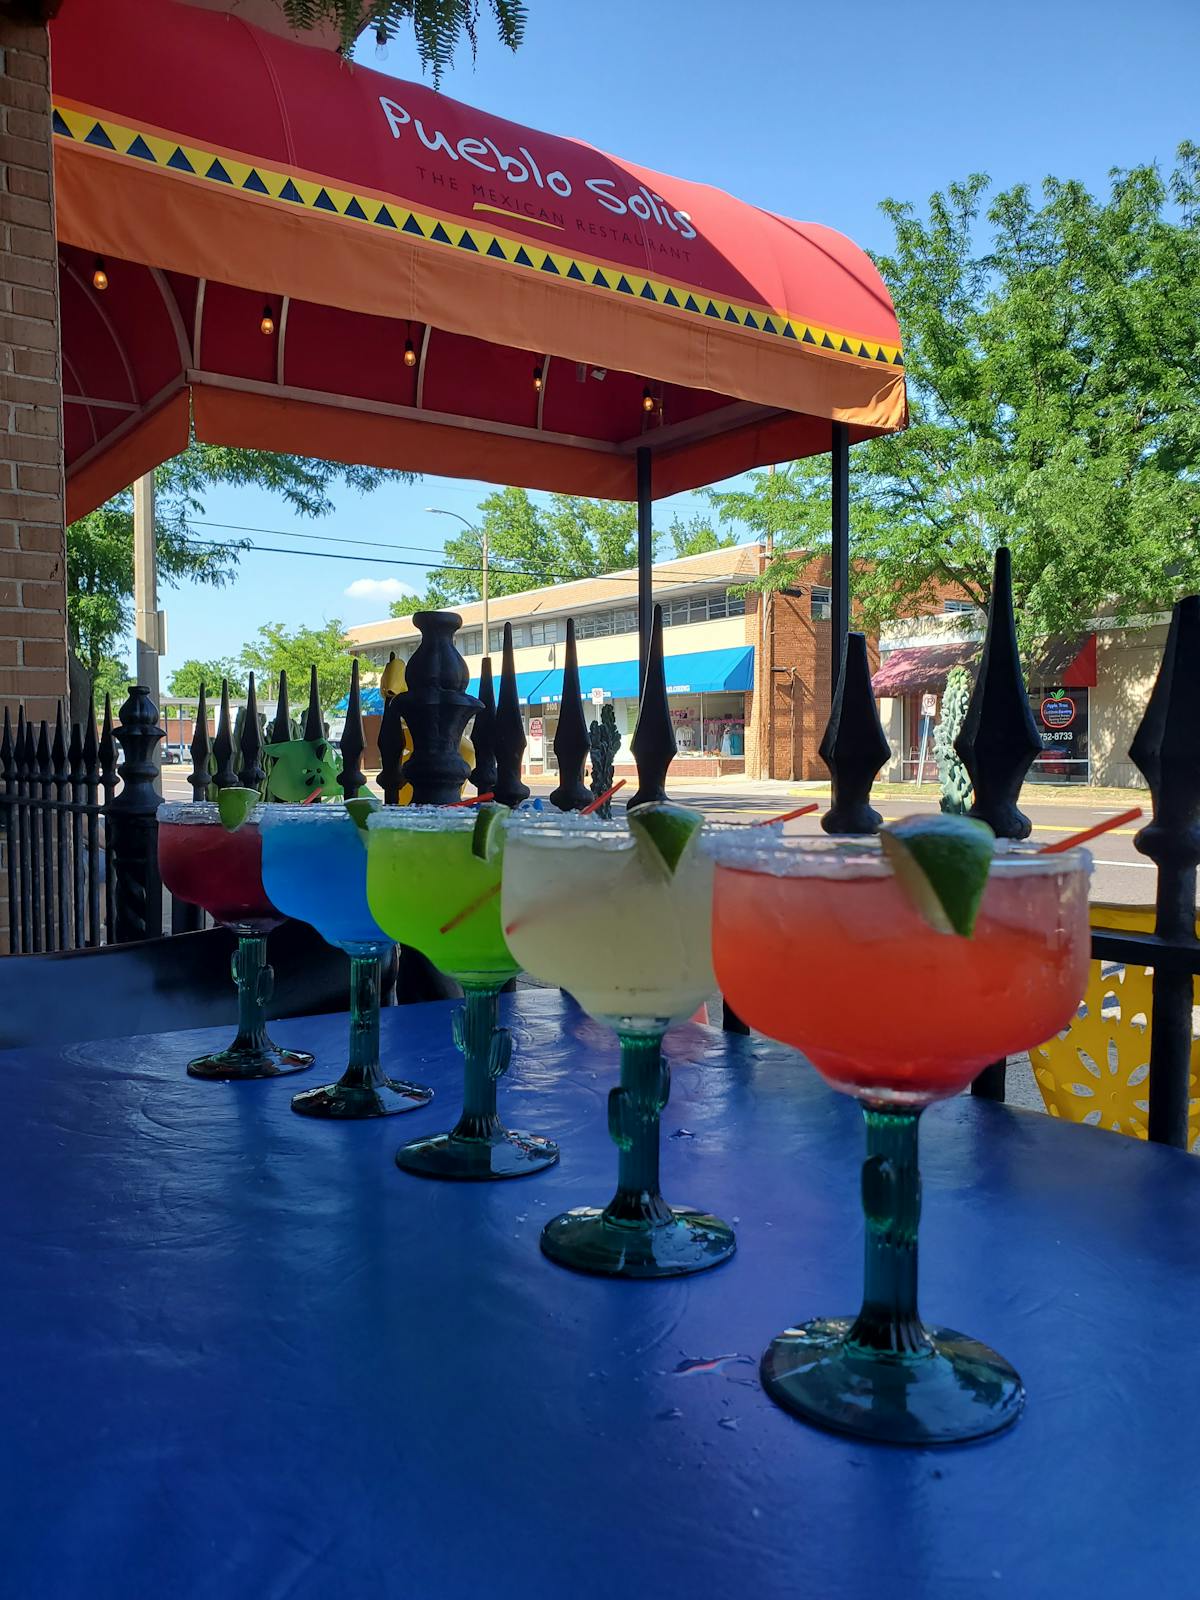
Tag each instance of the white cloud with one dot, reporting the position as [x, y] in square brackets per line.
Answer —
[378, 589]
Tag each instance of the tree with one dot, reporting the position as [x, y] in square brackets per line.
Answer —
[191, 676]
[1054, 386]
[696, 537]
[530, 544]
[439, 25]
[100, 545]
[278, 649]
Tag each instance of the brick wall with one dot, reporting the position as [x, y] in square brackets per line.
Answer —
[33, 643]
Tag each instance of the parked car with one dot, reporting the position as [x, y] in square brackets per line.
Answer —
[174, 755]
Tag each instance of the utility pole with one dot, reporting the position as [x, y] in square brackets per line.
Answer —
[145, 597]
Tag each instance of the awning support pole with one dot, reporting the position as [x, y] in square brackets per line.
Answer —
[839, 585]
[645, 556]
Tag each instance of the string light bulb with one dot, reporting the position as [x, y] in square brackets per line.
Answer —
[647, 401]
[267, 325]
[99, 275]
[537, 380]
[410, 355]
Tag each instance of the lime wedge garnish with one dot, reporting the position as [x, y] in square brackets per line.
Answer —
[235, 805]
[360, 808]
[666, 829]
[941, 863]
[489, 830]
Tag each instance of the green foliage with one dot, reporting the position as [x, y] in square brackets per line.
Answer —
[696, 537]
[438, 25]
[530, 544]
[100, 545]
[112, 678]
[278, 648]
[1054, 384]
[188, 677]
[956, 785]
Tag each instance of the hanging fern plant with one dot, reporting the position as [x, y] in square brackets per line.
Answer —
[439, 26]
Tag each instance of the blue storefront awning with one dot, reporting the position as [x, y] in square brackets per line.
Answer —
[695, 672]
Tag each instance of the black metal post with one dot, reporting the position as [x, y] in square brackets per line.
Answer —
[8, 765]
[1166, 751]
[645, 550]
[436, 708]
[62, 829]
[839, 576]
[653, 743]
[483, 733]
[78, 771]
[855, 746]
[133, 857]
[571, 742]
[353, 741]
[509, 737]
[107, 754]
[997, 745]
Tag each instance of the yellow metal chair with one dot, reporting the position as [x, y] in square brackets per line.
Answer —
[1097, 1071]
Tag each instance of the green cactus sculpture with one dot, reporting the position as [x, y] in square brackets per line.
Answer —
[956, 785]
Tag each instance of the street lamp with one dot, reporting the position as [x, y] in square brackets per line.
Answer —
[482, 532]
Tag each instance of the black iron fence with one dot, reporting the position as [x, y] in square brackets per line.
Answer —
[80, 838]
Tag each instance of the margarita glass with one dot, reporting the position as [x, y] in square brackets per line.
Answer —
[798, 926]
[314, 865]
[428, 889]
[590, 906]
[220, 870]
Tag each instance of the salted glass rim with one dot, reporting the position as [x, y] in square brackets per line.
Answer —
[780, 855]
[201, 812]
[285, 812]
[424, 819]
[556, 829]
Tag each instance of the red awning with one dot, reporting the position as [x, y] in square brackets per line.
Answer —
[1067, 663]
[219, 169]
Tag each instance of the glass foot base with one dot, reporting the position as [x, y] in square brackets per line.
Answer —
[341, 1102]
[587, 1240]
[270, 1061]
[957, 1390]
[450, 1155]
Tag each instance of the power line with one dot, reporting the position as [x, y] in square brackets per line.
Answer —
[444, 567]
[399, 557]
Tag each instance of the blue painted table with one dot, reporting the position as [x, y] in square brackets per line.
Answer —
[241, 1354]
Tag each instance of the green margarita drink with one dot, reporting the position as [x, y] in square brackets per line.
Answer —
[619, 915]
[433, 882]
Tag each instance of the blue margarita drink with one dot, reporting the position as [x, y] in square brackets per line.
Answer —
[314, 857]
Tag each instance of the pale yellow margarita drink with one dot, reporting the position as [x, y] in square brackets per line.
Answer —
[590, 907]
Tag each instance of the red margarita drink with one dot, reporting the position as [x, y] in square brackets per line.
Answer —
[219, 868]
[206, 864]
[824, 950]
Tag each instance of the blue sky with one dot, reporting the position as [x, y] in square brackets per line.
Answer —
[815, 111]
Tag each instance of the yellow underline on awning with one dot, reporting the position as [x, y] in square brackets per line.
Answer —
[518, 216]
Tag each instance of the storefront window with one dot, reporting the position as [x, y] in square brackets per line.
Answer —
[1062, 720]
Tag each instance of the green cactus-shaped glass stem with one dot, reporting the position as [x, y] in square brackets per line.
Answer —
[364, 1089]
[884, 1374]
[479, 1146]
[252, 1053]
[637, 1234]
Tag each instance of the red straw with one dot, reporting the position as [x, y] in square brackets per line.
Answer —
[601, 798]
[315, 795]
[788, 816]
[1090, 833]
[470, 910]
[475, 800]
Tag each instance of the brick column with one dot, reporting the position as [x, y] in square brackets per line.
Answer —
[33, 589]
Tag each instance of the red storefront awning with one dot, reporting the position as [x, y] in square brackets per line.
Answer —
[220, 170]
[1068, 663]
